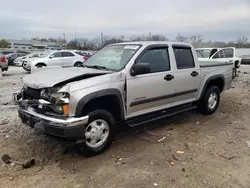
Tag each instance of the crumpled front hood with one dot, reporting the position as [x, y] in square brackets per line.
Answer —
[50, 78]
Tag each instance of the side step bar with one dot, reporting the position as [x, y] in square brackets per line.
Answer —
[159, 115]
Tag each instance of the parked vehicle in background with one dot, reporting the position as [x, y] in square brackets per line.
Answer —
[227, 55]
[245, 59]
[3, 63]
[6, 52]
[19, 61]
[151, 80]
[11, 57]
[84, 55]
[205, 53]
[244, 54]
[65, 58]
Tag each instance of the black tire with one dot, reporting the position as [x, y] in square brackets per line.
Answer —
[26, 69]
[83, 147]
[203, 104]
[78, 64]
[40, 65]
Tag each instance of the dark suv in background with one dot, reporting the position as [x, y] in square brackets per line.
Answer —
[12, 56]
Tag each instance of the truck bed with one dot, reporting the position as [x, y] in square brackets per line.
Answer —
[213, 64]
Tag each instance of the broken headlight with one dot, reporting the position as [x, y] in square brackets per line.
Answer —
[55, 97]
[59, 100]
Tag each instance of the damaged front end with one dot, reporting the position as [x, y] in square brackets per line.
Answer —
[48, 101]
[49, 108]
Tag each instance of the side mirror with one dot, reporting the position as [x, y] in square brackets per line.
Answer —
[140, 68]
[50, 57]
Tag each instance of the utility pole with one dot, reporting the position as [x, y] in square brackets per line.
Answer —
[101, 39]
[75, 39]
[64, 36]
[64, 40]
[75, 34]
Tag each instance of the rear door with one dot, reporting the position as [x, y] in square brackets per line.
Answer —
[68, 59]
[225, 55]
[187, 74]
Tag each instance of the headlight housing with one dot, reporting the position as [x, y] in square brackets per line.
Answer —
[59, 100]
[54, 97]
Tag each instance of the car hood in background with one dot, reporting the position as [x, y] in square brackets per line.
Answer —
[60, 76]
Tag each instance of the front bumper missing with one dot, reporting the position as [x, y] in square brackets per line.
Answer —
[70, 127]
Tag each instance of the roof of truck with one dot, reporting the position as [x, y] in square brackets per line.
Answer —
[154, 42]
[209, 48]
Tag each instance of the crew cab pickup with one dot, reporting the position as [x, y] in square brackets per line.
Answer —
[149, 81]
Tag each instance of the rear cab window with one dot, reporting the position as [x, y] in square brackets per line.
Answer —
[183, 57]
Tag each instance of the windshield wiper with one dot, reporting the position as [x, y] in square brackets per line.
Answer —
[95, 66]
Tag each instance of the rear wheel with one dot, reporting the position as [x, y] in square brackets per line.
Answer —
[210, 100]
[78, 64]
[99, 133]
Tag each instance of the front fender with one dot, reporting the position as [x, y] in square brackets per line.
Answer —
[106, 92]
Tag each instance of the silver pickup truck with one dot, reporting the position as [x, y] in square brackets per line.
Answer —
[149, 81]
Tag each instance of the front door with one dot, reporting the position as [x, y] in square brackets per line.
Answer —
[55, 59]
[152, 91]
[224, 55]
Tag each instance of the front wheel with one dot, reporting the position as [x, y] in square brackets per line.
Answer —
[40, 66]
[99, 133]
[210, 100]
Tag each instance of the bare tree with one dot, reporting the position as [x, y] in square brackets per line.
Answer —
[72, 44]
[60, 41]
[181, 38]
[50, 39]
[44, 40]
[36, 38]
[241, 41]
[140, 38]
[95, 43]
[196, 40]
[159, 38]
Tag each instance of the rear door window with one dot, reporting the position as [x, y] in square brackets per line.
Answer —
[67, 54]
[184, 58]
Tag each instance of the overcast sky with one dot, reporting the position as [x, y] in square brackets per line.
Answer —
[213, 19]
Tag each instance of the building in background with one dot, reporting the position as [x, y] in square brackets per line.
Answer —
[33, 45]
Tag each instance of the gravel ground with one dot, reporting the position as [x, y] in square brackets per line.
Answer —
[215, 148]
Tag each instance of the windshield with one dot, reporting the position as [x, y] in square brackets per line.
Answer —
[204, 53]
[45, 54]
[113, 57]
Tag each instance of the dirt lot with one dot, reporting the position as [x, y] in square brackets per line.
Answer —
[215, 148]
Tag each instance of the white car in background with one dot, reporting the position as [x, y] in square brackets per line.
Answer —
[219, 54]
[227, 55]
[20, 60]
[63, 58]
